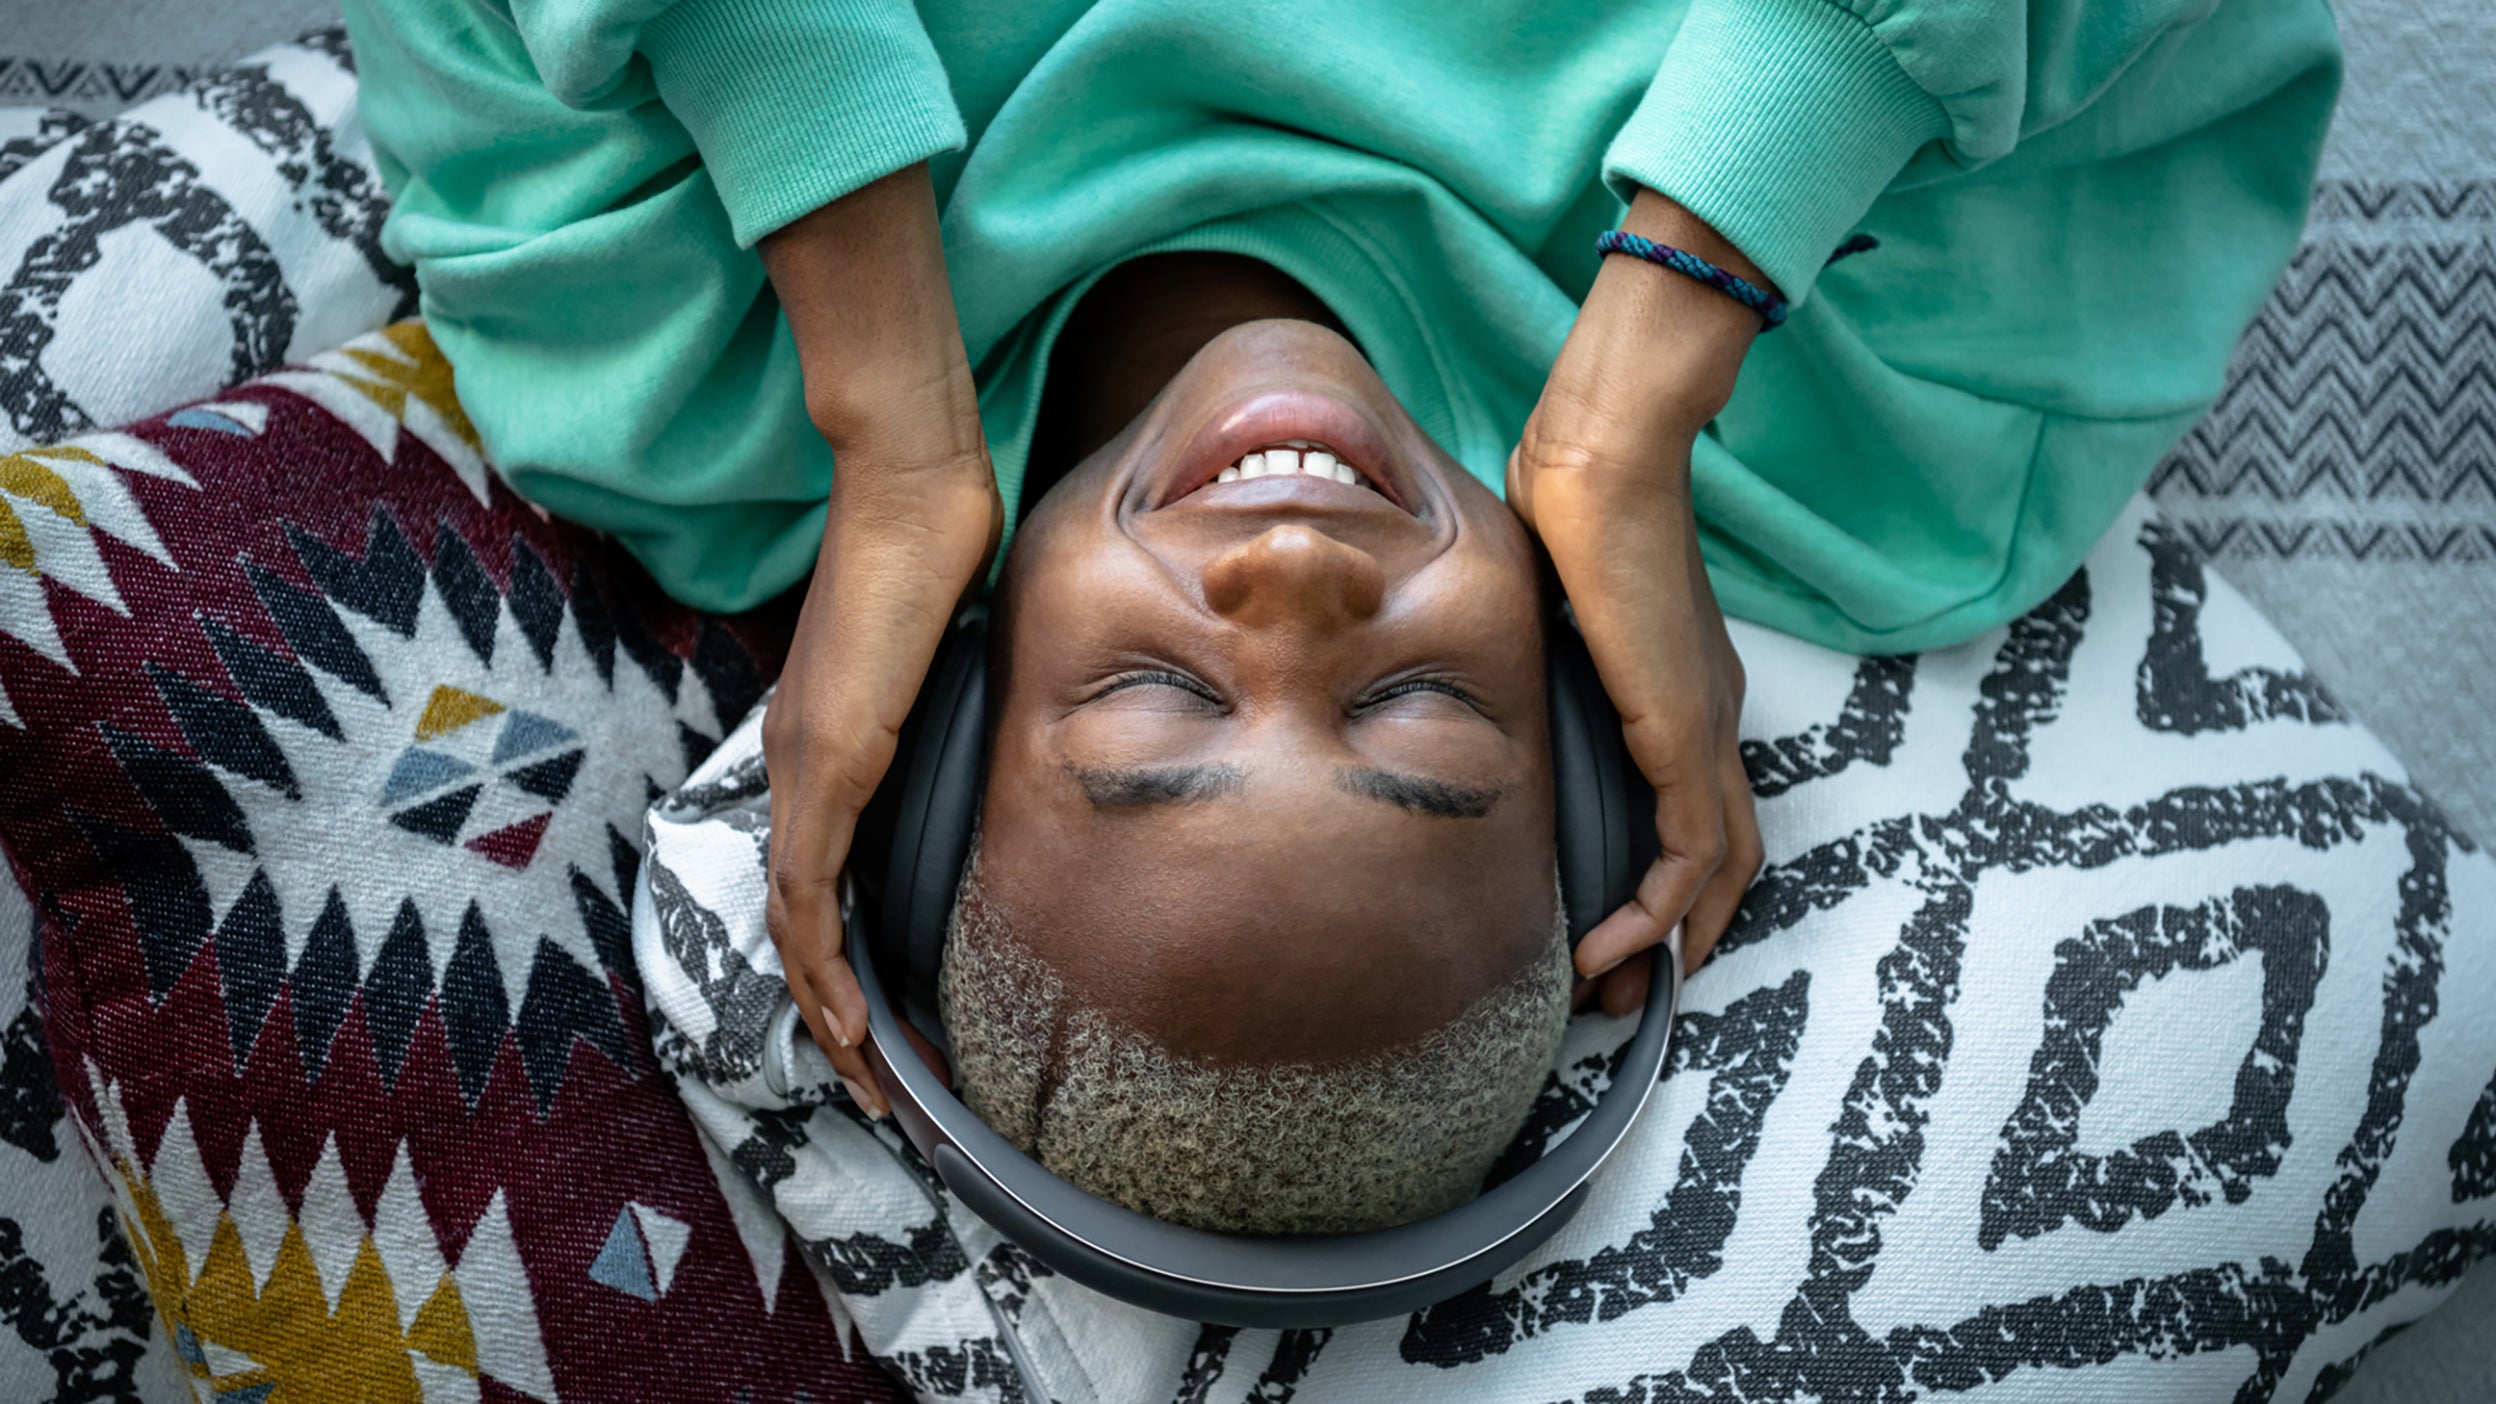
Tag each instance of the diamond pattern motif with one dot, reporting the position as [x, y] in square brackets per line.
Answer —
[327, 757]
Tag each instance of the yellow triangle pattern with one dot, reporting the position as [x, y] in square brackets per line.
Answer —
[16, 547]
[284, 1333]
[392, 384]
[441, 1328]
[419, 371]
[450, 708]
[23, 475]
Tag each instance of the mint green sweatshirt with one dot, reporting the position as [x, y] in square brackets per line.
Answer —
[2079, 207]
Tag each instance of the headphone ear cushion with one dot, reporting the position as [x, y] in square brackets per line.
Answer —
[1604, 807]
[939, 770]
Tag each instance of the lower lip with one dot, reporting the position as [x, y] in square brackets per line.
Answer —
[1277, 417]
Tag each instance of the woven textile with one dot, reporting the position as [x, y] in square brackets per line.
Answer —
[323, 759]
[234, 224]
[2103, 1026]
[2348, 473]
[79, 1324]
[237, 220]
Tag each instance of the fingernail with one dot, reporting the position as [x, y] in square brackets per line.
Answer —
[832, 1021]
[858, 1095]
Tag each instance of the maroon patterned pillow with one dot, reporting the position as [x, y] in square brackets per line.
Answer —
[323, 758]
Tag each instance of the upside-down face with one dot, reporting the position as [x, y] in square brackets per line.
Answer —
[1271, 777]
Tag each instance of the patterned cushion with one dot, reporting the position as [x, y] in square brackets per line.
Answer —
[2106, 1024]
[235, 216]
[238, 221]
[323, 758]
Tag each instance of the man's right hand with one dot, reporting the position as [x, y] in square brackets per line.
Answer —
[913, 517]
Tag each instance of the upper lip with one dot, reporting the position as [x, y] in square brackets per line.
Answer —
[1276, 417]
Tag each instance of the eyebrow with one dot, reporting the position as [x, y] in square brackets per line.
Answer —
[1137, 787]
[1120, 788]
[1436, 799]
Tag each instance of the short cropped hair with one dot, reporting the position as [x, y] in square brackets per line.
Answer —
[1290, 1148]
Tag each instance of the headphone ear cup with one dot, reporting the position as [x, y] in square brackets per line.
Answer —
[1604, 807]
[939, 769]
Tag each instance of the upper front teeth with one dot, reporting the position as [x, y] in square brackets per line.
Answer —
[1301, 457]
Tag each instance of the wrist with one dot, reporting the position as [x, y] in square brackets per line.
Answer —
[1657, 216]
[862, 282]
[898, 419]
[929, 523]
[1668, 343]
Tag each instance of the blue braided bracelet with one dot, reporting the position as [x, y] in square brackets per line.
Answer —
[1769, 306]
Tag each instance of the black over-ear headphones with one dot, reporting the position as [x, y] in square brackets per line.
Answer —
[896, 937]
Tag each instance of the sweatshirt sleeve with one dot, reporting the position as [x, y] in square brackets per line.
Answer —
[791, 103]
[1781, 121]
[2078, 206]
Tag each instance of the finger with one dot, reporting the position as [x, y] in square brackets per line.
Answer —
[866, 1091]
[834, 1008]
[803, 917]
[1718, 901]
[1624, 989]
[809, 841]
[849, 1060]
[1690, 822]
[857, 1073]
[781, 925]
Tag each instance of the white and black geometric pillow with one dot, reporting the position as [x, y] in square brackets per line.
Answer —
[199, 239]
[2102, 1026]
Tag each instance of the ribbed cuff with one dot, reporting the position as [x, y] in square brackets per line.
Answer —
[795, 103]
[1778, 122]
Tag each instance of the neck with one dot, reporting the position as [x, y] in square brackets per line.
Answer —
[1132, 332]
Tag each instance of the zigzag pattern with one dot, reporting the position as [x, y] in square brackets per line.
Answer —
[2370, 376]
[272, 1283]
[103, 87]
[2375, 201]
[2378, 542]
[361, 933]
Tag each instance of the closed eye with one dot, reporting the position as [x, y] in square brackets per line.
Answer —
[1412, 686]
[1156, 678]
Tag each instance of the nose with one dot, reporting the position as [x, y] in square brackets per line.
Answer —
[1294, 574]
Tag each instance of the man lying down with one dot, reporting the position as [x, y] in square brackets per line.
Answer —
[1261, 931]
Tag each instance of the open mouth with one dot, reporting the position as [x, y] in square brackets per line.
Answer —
[1299, 445]
[1306, 457]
